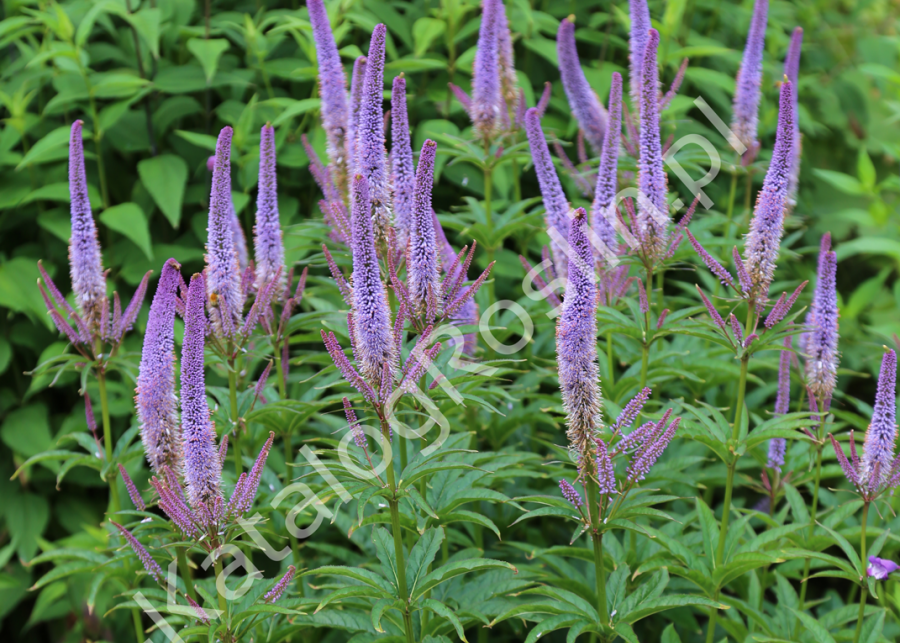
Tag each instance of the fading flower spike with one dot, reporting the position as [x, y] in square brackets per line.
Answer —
[202, 467]
[88, 280]
[767, 226]
[576, 345]
[278, 590]
[582, 99]
[749, 79]
[223, 274]
[268, 246]
[155, 397]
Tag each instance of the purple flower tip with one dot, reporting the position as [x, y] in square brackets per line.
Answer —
[880, 568]
[582, 99]
[268, 247]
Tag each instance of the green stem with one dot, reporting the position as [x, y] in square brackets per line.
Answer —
[138, 627]
[711, 631]
[236, 433]
[729, 212]
[223, 604]
[488, 184]
[394, 504]
[114, 505]
[282, 384]
[865, 590]
[597, 538]
[185, 570]
[820, 434]
[517, 184]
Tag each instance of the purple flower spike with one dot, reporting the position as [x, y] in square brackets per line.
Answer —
[202, 468]
[332, 86]
[357, 81]
[199, 611]
[792, 71]
[278, 590]
[239, 238]
[576, 344]
[749, 79]
[143, 555]
[778, 446]
[736, 329]
[370, 136]
[851, 472]
[245, 494]
[714, 266]
[127, 319]
[582, 99]
[647, 456]
[223, 273]
[261, 382]
[268, 247]
[822, 343]
[555, 202]
[570, 493]
[133, 493]
[370, 305]
[603, 215]
[402, 173]
[743, 277]
[643, 304]
[631, 410]
[486, 95]
[653, 208]
[713, 313]
[359, 436]
[767, 225]
[878, 453]
[422, 261]
[155, 394]
[88, 280]
[637, 43]
[606, 476]
[880, 568]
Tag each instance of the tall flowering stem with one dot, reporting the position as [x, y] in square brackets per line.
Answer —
[584, 102]
[747, 91]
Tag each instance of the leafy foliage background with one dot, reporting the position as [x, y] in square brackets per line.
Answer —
[153, 92]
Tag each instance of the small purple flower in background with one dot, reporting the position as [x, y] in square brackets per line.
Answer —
[653, 207]
[88, 280]
[333, 88]
[223, 274]
[651, 450]
[792, 71]
[555, 202]
[403, 176]
[199, 611]
[880, 568]
[637, 43]
[603, 208]
[582, 99]
[576, 345]
[202, 467]
[155, 393]
[632, 409]
[570, 493]
[422, 262]
[133, 493]
[767, 224]
[370, 150]
[486, 94]
[373, 336]
[821, 346]
[778, 446]
[746, 95]
[268, 246]
[278, 590]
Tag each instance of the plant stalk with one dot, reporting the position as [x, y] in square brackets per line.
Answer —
[597, 538]
[865, 590]
[236, 433]
[114, 505]
[185, 571]
[398, 540]
[610, 361]
[820, 434]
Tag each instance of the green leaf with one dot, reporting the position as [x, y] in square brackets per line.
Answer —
[165, 178]
[425, 30]
[820, 634]
[204, 141]
[668, 602]
[422, 555]
[208, 52]
[445, 612]
[865, 170]
[850, 552]
[130, 221]
[457, 568]
[843, 182]
[27, 431]
[797, 503]
[708, 529]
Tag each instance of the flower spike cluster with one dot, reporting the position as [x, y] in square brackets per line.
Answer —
[223, 274]
[582, 99]
[767, 226]
[155, 394]
[268, 246]
[637, 43]
[747, 91]
[603, 212]
[879, 469]
[486, 94]
[422, 260]
[403, 176]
